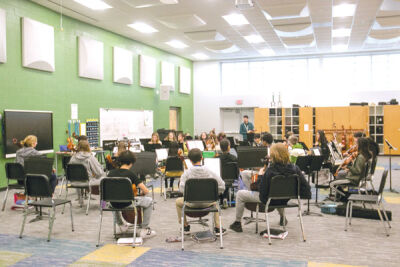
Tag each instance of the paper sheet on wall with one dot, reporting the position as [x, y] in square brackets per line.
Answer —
[306, 127]
[74, 111]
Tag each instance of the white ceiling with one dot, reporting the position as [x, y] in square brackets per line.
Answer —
[289, 27]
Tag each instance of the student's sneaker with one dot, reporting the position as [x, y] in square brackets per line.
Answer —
[186, 230]
[217, 233]
[147, 233]
[281, 222]
[123, 228]
[236, 226]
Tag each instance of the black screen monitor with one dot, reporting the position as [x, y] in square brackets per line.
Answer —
[251, 157]
[18, 124]
[109, 144]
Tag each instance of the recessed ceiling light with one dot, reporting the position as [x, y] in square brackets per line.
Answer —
[236, 19]
[254, 39]
[200, 56]
[94, 4]
[266, 52]
[339, 47]
[341, 32]
[142, 27]
[343, 10]
[176, 44]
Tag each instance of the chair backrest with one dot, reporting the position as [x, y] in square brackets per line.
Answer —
[116, 189]
[229, 171]
[201, 190]
[65, 161]
[15, 171]
[303, 162]
[39, 165]
[383, 182]
[284, 187]
[366, 169]
[77, 172]
[373, 165]
[145, 163]
[316, 163]
[37, 185]
[173, 164]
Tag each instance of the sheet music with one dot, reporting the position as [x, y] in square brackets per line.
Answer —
[316, 152]
[188, 163]
[195, 144]
[162, 154]
[213, 164]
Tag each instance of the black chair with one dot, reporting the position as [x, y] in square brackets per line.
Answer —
[39, 186]
[77, 177]
[368, 178]
[65, 160]
[369, 199]
[281, 188]
[175, 165]
[229, 173]
[201, 191]
[146, 164]
[16, 172]
[116, 190]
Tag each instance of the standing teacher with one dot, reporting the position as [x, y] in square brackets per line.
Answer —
[246, 127]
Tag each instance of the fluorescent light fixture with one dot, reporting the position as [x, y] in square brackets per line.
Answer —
[176, 44]
[254, 39]
[339, 47]
[266, 52]
[142, 27]
[343, 10]
[200, 56]
[341, 32]
[236, 19]
[94, 4]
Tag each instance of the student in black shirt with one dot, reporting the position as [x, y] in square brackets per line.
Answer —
[225, 158]
[127, 159]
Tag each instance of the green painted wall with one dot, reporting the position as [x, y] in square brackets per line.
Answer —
[23, 88]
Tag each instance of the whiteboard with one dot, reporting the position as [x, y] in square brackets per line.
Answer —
[116, 124]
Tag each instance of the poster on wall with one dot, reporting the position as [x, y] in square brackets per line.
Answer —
[3, 41]
[37, 45]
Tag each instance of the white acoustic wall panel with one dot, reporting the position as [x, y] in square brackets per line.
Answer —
[3, 50]
[148, 67]
[37, 45]
[168, 74]
[185, 80]
[123, 66]
[91, 58]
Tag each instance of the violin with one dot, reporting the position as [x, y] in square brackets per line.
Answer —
[111, 161]
[346, 161]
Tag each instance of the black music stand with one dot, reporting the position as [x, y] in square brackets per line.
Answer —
[390, 164]
[151, 147]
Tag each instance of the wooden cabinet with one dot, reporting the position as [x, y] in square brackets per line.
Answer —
[306, 121]
[391, 128]
[261, 118]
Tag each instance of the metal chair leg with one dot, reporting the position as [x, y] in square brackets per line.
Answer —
[72, 219]
[230, 197]
[385, 214]
[134, 229]
[24, 220]
[383, 222]
[51, 222]
[66, 196]
[220, 228]
[257, 208]
[301, 221]
[267, 220]
[284, 220]
[351, 212]
[61, 187]
[88, 203]
[347, 215]
[5, 199]
[183, 225]
[101, 220]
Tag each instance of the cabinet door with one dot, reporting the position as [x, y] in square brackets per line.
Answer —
[306, 126]
[359, 118]
[261, 120]
[391, 128]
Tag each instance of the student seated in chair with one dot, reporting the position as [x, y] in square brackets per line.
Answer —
[225, 158]
[280, 165]
[295, 148]
[353, 174]
[28, 150]
[127, 159]
[198, 171]
[155, 139]
[170, 137]
[173, 151]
